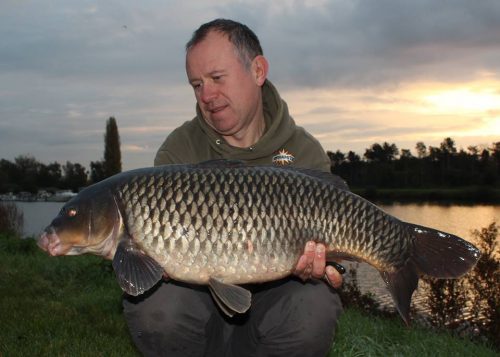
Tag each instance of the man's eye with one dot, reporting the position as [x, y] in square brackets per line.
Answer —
[196, 85]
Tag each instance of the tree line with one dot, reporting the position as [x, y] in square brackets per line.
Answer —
[385, 166]
[25, 173]
[382, 166]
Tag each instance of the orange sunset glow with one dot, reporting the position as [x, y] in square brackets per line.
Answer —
[421, 111]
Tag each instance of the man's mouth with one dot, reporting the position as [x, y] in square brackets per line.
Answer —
[217, 109]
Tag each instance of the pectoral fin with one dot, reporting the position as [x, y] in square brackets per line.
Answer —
[231, 298]
[136, 272]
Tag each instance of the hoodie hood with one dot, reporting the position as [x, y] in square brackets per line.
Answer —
[279, 128]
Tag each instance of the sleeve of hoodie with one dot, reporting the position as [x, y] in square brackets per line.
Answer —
[178, 147]
[165, 155]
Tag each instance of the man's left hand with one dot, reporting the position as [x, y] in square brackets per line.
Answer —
[312, 264]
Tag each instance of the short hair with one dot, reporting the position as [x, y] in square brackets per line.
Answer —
[244, 40]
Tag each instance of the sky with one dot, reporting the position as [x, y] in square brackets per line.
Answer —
[353, 72]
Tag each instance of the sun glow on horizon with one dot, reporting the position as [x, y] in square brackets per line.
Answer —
[468, 112]
[464, 99]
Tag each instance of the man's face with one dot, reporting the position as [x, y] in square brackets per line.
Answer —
[227, 93]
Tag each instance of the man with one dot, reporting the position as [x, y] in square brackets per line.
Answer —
[240, 115]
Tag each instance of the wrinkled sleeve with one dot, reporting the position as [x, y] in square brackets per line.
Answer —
[176, 149]
[165, 157]
[310, 153]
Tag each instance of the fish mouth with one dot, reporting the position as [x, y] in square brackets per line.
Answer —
[50, 242]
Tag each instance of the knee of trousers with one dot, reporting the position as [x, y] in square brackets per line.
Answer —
[170, 309]
[314, 309]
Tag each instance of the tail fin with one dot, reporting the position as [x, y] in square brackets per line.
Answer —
[442, 255]
[436, 254]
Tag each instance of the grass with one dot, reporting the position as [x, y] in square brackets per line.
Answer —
[58, 306]
[71, 306]
[360, 334]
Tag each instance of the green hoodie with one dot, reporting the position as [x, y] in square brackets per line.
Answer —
[283, 142]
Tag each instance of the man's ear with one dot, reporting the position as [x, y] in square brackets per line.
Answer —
[260, 67]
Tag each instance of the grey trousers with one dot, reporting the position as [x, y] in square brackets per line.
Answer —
[287, 318]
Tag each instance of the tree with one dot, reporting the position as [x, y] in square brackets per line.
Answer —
[421, 149]
[448, 146]
[495, 152]
[9, 176]
[75, 176]
[112, 155]
[352, 157]
[406, 154]
[336, 157]
[97, 171]
[434, 153]
[473, 150]
[382, 153]
[49, 175]
[27, 169]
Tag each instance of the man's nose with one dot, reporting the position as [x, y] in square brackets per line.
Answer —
[208, 92]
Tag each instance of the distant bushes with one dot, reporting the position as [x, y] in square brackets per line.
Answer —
[471, 305]
[11, 219]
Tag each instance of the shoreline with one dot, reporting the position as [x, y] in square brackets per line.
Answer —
[460, 195]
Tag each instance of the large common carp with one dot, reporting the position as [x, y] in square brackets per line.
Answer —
[223, 223]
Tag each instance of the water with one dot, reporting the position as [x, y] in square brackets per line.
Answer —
[455, 219]
[37, 215]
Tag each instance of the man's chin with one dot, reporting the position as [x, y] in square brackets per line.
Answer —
[223, 124]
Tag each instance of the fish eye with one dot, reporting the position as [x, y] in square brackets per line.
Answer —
[71, 211]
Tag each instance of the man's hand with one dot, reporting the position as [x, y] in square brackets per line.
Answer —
[312, 264]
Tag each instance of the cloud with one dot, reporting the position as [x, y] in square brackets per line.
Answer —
[369, 43]
[65, 67]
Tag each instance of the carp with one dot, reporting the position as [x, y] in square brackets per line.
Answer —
[224, 223]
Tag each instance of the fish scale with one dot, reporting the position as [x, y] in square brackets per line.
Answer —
[284, 206]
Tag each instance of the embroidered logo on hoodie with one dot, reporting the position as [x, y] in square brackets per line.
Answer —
[283, 158]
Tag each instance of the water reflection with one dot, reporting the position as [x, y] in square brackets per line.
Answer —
[455, 219]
